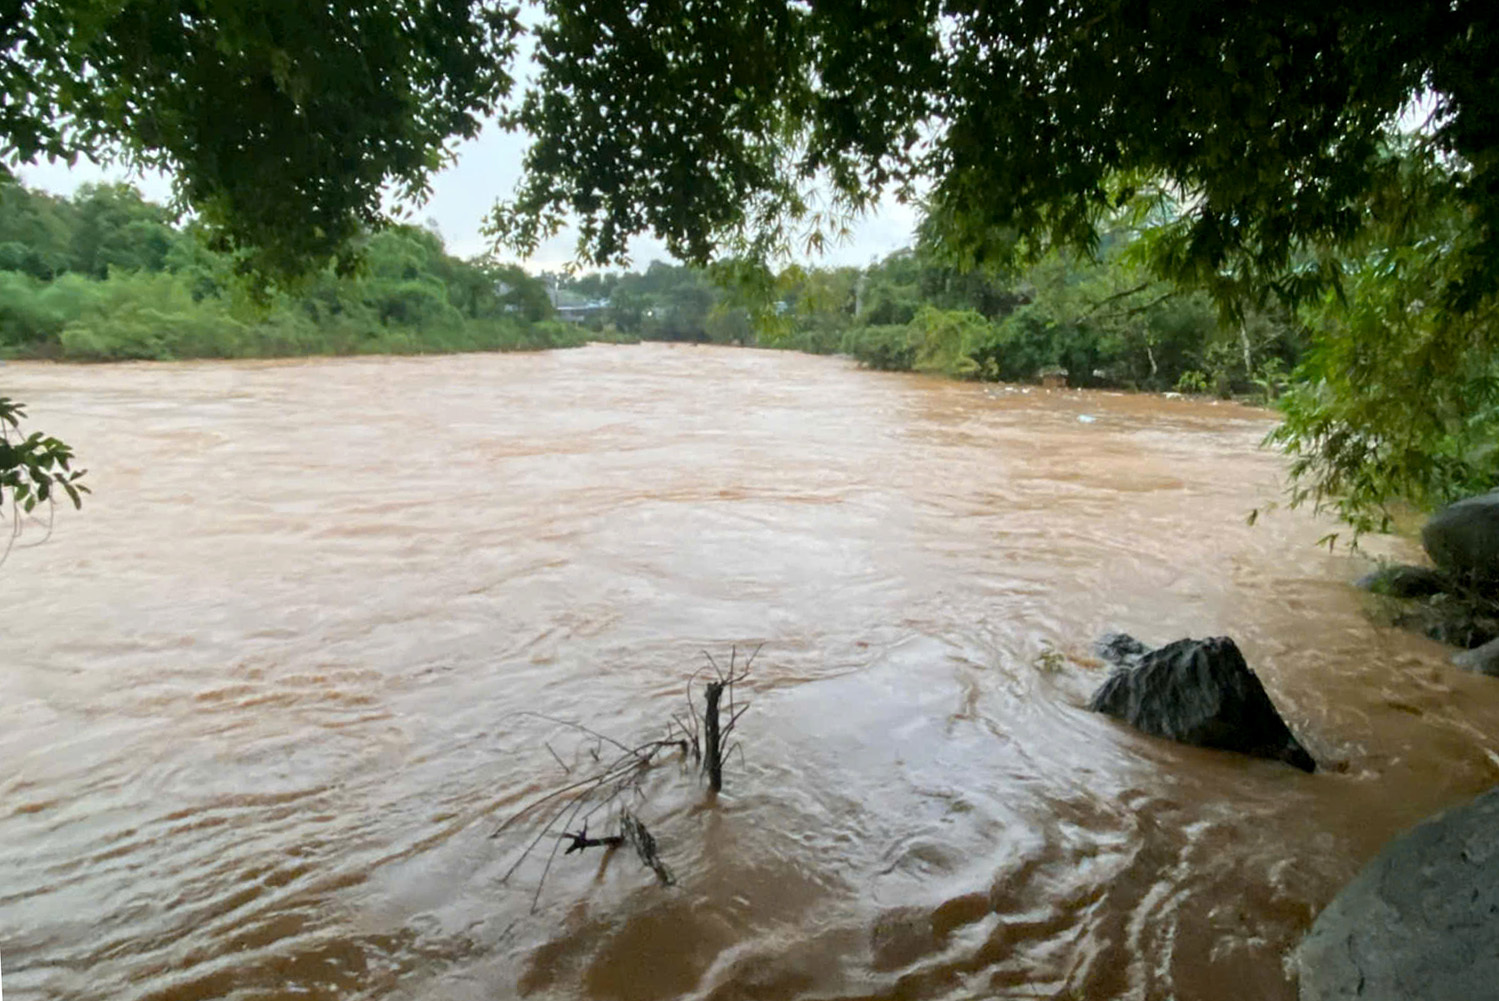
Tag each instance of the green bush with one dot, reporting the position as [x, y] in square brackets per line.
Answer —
[1015, 349]
[1192, 381]
[151, 316]
[25, 316]
[944, 338]
[887, 348]
[814, 340]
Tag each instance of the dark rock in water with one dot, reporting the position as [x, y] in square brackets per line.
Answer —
[1463, 540]
[1418, 921]
[1458, 603]
[1446, 618]
[1401, 581]
[1120, 648]
[1481, 659]
[1200, 692]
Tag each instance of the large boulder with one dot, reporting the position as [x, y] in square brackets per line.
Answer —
[1419, 922]
[1403, 581]
[1198, 692]
[1480, 660]
[1460, 621]
[1462, 539]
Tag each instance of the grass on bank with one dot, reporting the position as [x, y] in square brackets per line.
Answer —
[157, 316]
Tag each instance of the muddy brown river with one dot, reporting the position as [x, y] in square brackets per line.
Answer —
[261, 696]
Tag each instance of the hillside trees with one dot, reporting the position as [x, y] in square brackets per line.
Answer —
[104, 275]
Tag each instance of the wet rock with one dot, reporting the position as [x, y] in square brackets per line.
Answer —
[1403, 581]
[1418, 921]
[1481, 659]
[1462, 539]
[1120, 649]
[1199, 692]
[1457, 621]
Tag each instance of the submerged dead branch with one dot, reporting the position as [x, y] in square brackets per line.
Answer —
[716, 733]
[582, 840]
[635, 834]
[564, 813]
[713, 752]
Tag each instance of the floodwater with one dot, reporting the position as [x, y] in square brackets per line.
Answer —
[263, 697]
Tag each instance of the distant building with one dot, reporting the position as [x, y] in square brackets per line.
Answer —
[582, 312]
[574, 308]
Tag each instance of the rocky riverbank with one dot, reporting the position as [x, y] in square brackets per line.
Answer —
[1456, 599]
[1418, 922]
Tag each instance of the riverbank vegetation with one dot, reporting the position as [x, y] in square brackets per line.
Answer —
[104, 275]
[1103, 323]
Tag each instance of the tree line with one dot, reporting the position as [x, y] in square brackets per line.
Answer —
[105, 275]
[1102, 322]
[1388, 394]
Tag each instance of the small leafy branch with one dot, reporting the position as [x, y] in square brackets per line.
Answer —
[710, 741]
[34, 468]
[617, 776]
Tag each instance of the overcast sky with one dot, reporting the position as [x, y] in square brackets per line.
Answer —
[486, 170]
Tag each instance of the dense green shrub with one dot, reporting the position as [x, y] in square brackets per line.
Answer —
[103, 276]
[1397, 399]
[29, 311]
[814, 340]
[151, 316]
[944, 338]
[887, 347]
[1015, 349]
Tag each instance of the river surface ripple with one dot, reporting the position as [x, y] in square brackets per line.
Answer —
[260, 696]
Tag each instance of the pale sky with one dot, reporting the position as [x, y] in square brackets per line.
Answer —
[486, 170]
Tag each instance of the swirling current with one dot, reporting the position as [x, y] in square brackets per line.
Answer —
[265, 696]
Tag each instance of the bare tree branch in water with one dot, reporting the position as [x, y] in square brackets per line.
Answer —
[716, 736]
[564, 813]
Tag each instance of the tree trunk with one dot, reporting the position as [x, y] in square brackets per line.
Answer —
[712, 751]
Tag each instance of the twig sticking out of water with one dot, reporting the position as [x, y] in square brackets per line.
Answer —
[579, 801]
[564, 813]
[581, 841]
[636, 835]
[712, 739]
[715, 732]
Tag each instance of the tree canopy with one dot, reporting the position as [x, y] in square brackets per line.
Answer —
[280, 122]
[1269, 124]
[722, 123]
